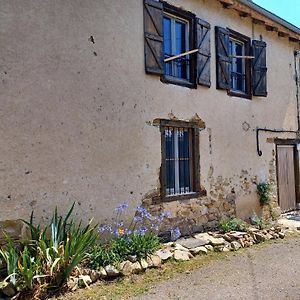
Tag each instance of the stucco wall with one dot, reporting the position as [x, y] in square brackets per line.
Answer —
[75, 114]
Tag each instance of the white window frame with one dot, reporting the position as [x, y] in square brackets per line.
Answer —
[173, 43]
[234, 65]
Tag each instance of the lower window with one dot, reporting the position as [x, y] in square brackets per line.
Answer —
[180, 159]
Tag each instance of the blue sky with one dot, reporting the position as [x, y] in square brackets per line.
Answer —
[286, 9]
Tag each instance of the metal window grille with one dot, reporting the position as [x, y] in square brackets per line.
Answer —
[178, 160]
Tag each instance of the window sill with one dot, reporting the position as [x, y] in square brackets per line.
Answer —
[184, 196]
[178, 81]
[239, 94]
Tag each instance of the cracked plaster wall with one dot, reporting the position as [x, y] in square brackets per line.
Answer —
[75, 112]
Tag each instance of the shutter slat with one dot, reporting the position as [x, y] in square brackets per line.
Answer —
[203, 55]
[153, 37]
[223, 58]
[259, 69]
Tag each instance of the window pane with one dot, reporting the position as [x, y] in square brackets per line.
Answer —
[167, 44]
[181, 64]
[170, 162]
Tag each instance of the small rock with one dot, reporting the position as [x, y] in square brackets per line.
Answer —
[84, 280]
[180, 247]
[164, 254]
[154, 261]
[235, 245]
[102, 272]
[181, 255]
[144, 264]
[95, 275]
[259, 237]
[111, 271]
[126, 267]
[281, 235]
[209, 247]
[268, 236]
[9, 290]
[216, 241]
[253, 229]
[276, 235]
[190, 243]
[199, 250]
[132, 258]
[136, 268]
[72, 283]
[241, 242]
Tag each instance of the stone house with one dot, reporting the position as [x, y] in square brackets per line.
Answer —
[179, 106]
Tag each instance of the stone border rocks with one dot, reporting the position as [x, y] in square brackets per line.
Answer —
[183, 249]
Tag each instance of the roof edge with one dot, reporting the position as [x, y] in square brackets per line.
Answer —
[271, 16]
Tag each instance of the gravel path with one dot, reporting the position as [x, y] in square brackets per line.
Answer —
[272, 272]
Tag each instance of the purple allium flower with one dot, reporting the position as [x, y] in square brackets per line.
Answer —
[137, 219]
[143, 212]
[105, 228]
[154, 227]
[120, 224]
[164, 215]
[119, 209]
[141, 231]
[175, 234]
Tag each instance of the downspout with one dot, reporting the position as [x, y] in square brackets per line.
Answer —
[296, 53]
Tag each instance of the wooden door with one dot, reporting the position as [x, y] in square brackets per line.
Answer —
[286, 177]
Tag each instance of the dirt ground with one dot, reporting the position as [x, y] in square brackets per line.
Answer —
[271, 272]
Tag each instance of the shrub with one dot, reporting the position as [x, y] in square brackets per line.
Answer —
[120, 248]
[51, 255]
[233, 225]
[263, 190]
[139, 239]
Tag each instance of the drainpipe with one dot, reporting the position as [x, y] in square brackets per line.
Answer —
[296, 55]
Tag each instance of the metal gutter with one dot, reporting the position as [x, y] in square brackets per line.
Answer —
[270, 15]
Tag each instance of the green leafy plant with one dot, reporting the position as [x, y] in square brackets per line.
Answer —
[51, 255]
[235, 224]
[260, 222]
[138, 245]
[263, 190]
[10, 257]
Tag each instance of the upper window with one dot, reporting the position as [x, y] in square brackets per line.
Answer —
[238, 65]
[177, 45]
[176, 41]
[180, 159]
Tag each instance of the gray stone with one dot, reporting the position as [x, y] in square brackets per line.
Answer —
[212, 240]
[126, 267]
[164, 254]
[144, 264]
[181, 255]
[111, 271]
[9, 290]
[136, 268]
[209, 247]
[102, 272]
[180, 247]
[190, 243]
[72, 283]
[259, 237]
[199, 250]
[132, 258]
[235, 245]
[95, 275]
[84, 280]
[281, 235]
[154, 261]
